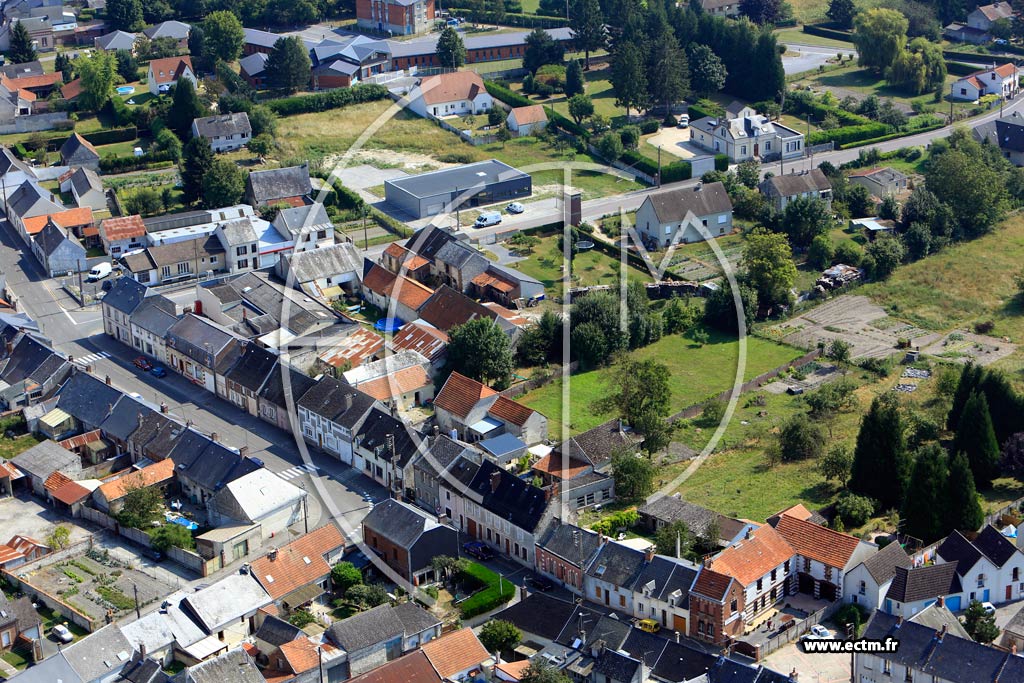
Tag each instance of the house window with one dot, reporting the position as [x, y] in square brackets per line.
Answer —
[321, 234]
[213, 259]
[183, 268]
[759, 584]
[723, 218]
[863, 587]
[743, 150]
[886, 668]
[981, 580]
[733, 606]
[241, 251]
[774, 573]
[1016, 573]
[622, 601]
[243, 263]
[807, 565]
[785, 567]
[166, 271]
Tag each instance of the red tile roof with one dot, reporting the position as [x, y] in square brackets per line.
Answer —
[487, 280]
[451, 87]
[71, 492]
[7, 469]
[510, 411]
[150, 475]
[409, 293]
[301, 654]
[753, 557]
[26, 544]
[40, 81]
[74, 442]
[168, 69]
[533, 113]
[8, 554]
[711, 584]
[354, 349]
[55, 481]
[299, 563]
[817, 542]
[514, 670]
[455, 652]
[123, 228]
[72, 89]
[397, 383]
[65, 219]
[460, 393]
[552, 464]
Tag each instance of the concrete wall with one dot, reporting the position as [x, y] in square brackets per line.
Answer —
[32, 124]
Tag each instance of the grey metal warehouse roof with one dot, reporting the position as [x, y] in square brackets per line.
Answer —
[460, 178]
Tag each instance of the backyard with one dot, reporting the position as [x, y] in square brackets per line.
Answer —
[698, 372]
[590, 267]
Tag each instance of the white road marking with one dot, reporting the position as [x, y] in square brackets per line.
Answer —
[90, 358]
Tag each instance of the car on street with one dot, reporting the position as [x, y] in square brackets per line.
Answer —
[988, 607]
[99, 271]
[648, 625]
[143, 363]
[541, 583]
[478, 550]
[159, 371]
[684, 121]
[61, 633]
[515, 207]
[817, 632]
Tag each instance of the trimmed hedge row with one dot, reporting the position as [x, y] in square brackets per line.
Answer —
[514, 99]
[891, 136]
[695, 112]
[960, 69]
[324, 101]
[497, 591]
[823, 32]
[510, 19]
[125, 164]
[112, 135]
[722, 162]
[848, 134]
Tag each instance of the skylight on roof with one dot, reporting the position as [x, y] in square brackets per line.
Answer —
[306, 560]
[270, 579]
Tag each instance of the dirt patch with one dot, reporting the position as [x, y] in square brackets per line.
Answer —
[965, 347]
[675, 141]
[855, 320]
[814, 375]
[379, 158]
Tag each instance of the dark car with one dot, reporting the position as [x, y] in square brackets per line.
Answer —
[159, 371]
[143, 363]
[478, 550]
[541, 583]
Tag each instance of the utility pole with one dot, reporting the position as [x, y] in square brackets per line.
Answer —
[81, 290]
[138, 613]
[320, 661]
[366, 240]
[659, 165]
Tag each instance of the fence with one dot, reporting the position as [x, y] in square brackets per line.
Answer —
[698, 408]
[762, 650]
[467, 136]
[33, 124]
[185, 558]
[51, 601]
[529, 385]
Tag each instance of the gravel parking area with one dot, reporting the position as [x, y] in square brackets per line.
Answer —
[816, 668]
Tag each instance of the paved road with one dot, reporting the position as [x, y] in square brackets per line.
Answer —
[78, 332]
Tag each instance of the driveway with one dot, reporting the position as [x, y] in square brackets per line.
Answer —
[817, 668]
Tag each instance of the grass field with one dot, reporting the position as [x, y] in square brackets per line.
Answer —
[589, 267]
[9, 448]
[697, 373]
[325, 134]
[598, 87]
[855, 80]
[790, 36]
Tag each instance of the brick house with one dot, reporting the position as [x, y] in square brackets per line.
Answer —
[564, 551]
[407, 539]
[398, 17]
[760, 563]
[716, 607]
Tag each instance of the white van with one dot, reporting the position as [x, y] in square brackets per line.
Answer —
[487, 219]
[99, 271]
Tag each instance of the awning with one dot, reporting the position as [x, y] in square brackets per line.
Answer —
[205, 648]
[55, 418]
[540, 450]
[301, 596]
[486, 425]
[332, 292]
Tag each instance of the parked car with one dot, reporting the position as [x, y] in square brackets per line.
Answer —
[542, 583]
[684, 121]
[99, 271]
[649, 625]
[478, 550]
[142, 363]
[488, 219]
[159, 371]
[515, 207]
[61, 633]
[988, 607]
[817, 632]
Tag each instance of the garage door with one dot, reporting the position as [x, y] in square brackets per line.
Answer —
[953, 603]
[434, 209]
[679, 624]
[828, 591]
[805, 583]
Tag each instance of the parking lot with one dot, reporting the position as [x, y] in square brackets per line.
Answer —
[813, 668]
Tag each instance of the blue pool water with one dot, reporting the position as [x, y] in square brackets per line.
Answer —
[181, 521]
[125, 90]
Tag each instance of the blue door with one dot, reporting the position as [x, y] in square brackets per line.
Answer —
[985, 599]
[888, 607]
[953, 603]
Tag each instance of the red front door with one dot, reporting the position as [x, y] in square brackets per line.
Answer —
[755, 149]
[1009, 592]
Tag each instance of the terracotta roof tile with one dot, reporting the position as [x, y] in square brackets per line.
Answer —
[150, 475]
[290, 569]
[711, 584]
[753, 557]
[552, 464]
[354, 349]
[451, 87]
[508, 410]
[455, 652]
[396, 384]
[488, 280]
[817, 542]
[168, 69]
[80, 440]
[70, 493]
[64, 219]
[72, 89]
[460, 393]
[9, 470]
[428, 341]
[533, 113]
[40, 81]
[301, 654]
[411, 668]
[8, 554]
[123, 228]
[410, 293]
[514, 670]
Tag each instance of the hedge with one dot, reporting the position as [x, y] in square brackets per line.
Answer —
[722, 162]
[112, 135]
[890, 136]
[496, 591]
[695, 112]
[506, 95]
[827, 33]
[960, 69]
[676, 171]
[133, 163]
[324, 101]
[510, 19]
[848, 134]
[639, 162]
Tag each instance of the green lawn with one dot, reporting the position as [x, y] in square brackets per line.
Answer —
[530, 6]
[598, 87]
[591, 267]
[121, 149]
[853, 79]
[789, 36]
[697, 373]
[12, 447]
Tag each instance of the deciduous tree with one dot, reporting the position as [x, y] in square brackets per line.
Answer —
[768, 265]
[498, 636]
[634, 475]
[124, 15]
[842, 12]
[98, 72]
[224, 185]
[674, 540]
[223, 36]
[580, 107]
[480, 350]
[344, 575]
[879, 35]
[707, 72]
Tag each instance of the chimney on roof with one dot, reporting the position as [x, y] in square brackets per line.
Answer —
[214, 436]
[495, 481]
[390, 441]
[348, 400]
[142, 650]
[940, 601]
[9, 346]
[163, 408]
[749, 532]
[107, 380]
[272, 555]
[436, 431]
[794, 675]
[243, 451]
[899, 622]
[942, 633]
[649, 554]
[707, 562]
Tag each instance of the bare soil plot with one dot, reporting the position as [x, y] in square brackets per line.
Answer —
[965, 347]
[855, 320]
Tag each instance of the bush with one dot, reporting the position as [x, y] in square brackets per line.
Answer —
[301, 618]
[676, 171]
[722, 162]
[495, 592]
[848, 134]
[851, 613]
[630, 136]
[984, 327]
[509, 97]
[172, 535]
[855, 510]
[330, 99]
[133, 163]
[651, 126]
[880, 366]
[112, 135]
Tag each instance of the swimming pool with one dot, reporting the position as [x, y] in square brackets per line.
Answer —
[125, 90]
[181, 521]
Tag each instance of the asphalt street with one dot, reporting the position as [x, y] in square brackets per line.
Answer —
[78, 332]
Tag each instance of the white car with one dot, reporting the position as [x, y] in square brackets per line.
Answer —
[515, 207]
[988, 607]
[817, 632]
[684, 121]
[62, 633]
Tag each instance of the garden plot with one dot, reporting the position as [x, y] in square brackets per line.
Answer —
[701, 264]
[855, 320]
[965, 347]
[809, 377]
[95, 582]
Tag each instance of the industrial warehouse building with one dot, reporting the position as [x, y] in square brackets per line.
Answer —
[428, 194]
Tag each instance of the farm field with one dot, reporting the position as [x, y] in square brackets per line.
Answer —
[697, 373]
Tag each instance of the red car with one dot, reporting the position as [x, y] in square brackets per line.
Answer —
[142, 363]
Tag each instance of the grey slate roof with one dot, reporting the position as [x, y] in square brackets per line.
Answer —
[273, 390]
[87, 398]
[193, 335]
[414, 618]
[956, 548]
[373, 434]
[253, 367]
[254, 64]
[949, 658]
[125, 295]
[314, 264]
[239, 231]
[995, 546]
[52, 236]
[377, 625]
[143, 670]
[428, 241]
[673, 206]
[123, 420]
[85, 179]
[277, 631]
[233, 666]
[519, 502]
[401, 524]
[644, 646]
[155, 314]
[29, 359]
[791, 184]
[667, 579]
[615, 666]
[443, 451]
[267, 186]
[168, 29]
[617, 564]
[599, 444]
[30, 199]
[55, 668]
[459, 255]
[213, 467]
[100, 653]
[116, 40]
[18, 611]
[569, 542]
[297, 219]
[670, 509]
[1010, 134]
[25, 69]
[882, 565]
[924, 583]
[76, 150]
[538, 614]
[336, 401]
[223, 124]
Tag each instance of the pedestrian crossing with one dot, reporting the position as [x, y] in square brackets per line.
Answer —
[90, 358]
[298, 471]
